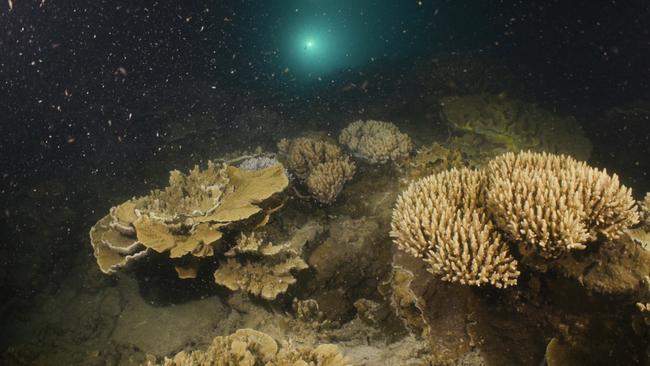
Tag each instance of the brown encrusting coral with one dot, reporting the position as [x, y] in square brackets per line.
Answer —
[319, 163]
[546, 204]
[248, 347]
[376, 141]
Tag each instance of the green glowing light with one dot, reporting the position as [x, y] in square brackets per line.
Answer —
[309, 44]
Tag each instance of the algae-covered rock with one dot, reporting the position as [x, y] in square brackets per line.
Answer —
[516, 125]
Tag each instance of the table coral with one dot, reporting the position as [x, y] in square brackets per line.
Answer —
[189, 215]
[376, 141]
[258, 267]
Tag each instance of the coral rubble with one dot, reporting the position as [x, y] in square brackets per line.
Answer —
[376, 141]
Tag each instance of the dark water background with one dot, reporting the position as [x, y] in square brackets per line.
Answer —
[89, 91]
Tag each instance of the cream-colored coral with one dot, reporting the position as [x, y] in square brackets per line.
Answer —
[248, 347]
[376, 141]
[555, 203]
[303, 154]
[326, 180]
[441, 219]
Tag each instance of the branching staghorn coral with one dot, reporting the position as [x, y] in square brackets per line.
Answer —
[303, 154]
[327, 179]
[248, 347]
[441, 219]
[322, 165]
[555, 203]
[376, 141]
[549, 203]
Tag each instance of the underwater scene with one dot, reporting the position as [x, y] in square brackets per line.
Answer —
[325, 183]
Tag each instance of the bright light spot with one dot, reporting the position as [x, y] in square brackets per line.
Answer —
[309, 44]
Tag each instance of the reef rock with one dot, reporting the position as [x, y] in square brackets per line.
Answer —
[248, 347]
[516, 125]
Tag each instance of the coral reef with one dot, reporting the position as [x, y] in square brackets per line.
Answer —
[326, 180]
[515, 125]
[645, 206]
[546, 204]
[376, 141]
[320, 164]
[303, 154]
[262, 269]
[188, 217]
[555, 203]
[442, 219]
[248, 347]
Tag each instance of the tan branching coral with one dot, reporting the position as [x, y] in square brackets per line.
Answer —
[441, 219]
[188, 216]
[547, 204]
[555, 203]
[320, 164]
[327, 179]
[303, 154]
[515, 125]
[376, 141]
[248, 347]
